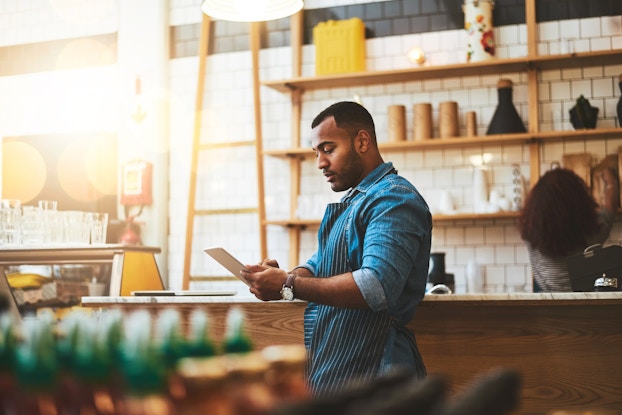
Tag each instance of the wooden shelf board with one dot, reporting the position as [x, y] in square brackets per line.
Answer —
[493, 139]
[495, 66]
[303, 223]
[551, 136]
[294, 223]
[483, 140]
[475, 216]
[399, 75]
[575, 60]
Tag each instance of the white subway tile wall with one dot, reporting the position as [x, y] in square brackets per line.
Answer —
[229, 179]
[493, 243]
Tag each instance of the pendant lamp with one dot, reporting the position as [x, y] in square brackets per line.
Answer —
[250, 10]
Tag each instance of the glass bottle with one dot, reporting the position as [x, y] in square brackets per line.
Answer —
[285, 374]
[199, 342]
[8, 344]
[236, 340]
[36, 368]
[248, 391]
[199, 386]
[143, 369]
[505, 119]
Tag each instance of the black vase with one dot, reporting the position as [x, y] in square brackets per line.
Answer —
[436, 273]
[505, 120]
[583, 115]
[619, 107]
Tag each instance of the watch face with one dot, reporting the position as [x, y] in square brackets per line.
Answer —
[287, 293]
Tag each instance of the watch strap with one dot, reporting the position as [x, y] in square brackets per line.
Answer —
[289, 282]
[287, 293]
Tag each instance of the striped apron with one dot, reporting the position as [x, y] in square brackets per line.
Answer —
[345, 345]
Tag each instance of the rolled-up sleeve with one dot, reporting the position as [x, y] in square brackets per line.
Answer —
[398, 224]
[370, 288]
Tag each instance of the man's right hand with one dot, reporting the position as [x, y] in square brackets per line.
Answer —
[270, 263]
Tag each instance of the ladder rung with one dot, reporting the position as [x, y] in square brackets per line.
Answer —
[209, 278]
[206, 212]
[213, 146]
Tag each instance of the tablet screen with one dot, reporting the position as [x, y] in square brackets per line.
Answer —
[227, 260]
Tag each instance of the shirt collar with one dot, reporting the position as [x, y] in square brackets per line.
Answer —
[371, 179]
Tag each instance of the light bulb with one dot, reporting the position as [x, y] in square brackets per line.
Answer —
[416, 55]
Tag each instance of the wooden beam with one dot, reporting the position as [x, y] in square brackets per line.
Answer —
[255, 41]
[196, 143]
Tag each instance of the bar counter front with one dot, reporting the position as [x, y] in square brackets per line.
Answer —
[567, 346]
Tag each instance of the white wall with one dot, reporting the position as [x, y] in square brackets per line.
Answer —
[494, 243]
[31, 104]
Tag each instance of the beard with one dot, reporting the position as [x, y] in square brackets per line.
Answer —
[350, 174]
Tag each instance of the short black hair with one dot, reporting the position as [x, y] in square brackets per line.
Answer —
[349, 115]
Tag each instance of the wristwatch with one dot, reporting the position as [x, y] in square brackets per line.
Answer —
[287, 292]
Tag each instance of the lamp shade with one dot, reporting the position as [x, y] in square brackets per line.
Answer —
[250, 10]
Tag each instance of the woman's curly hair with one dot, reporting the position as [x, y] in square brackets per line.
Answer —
[559, 214]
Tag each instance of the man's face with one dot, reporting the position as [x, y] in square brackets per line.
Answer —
[336, 155]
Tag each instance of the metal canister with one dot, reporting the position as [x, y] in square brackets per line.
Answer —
[605, 284]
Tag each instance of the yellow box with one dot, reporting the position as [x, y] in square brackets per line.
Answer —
[339, 46]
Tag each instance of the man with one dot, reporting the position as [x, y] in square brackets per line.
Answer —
[369, 273]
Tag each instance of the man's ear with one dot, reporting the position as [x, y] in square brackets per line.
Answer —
[363, 141]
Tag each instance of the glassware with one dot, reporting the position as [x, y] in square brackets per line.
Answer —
[76, 228]
[99, 227]
[33, 229]
[51, 227]
[10, 223]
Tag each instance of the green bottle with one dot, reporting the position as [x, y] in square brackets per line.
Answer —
[36, 365]
[8, 344]
[169, 337]
[143, 368]
[199, 342]
[236, 340]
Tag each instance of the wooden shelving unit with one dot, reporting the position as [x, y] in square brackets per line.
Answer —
[531, 65]
[462, 142]
[313, 223]
[496, 66]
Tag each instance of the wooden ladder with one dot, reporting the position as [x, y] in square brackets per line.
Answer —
[198, 147]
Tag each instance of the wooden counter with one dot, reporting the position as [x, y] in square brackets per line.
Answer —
[568, 346]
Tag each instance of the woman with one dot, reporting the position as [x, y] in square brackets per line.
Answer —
[561, 218]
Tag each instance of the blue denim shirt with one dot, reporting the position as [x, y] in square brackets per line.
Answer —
[382, 234]
[389, 236]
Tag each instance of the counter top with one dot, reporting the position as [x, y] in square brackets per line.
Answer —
[601, 298]
[565, 344]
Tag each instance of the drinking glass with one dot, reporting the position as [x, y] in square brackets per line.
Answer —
[33, 229]
[76, 228]
[99, 227]
[51, 224]
[10, 223]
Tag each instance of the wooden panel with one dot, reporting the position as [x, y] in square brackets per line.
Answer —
[569, 356]
[266, 323]
[568, 352]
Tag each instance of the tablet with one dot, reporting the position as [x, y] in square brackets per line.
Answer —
[227, 260]
[182, 293]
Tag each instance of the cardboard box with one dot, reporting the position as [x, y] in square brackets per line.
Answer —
[339, 46]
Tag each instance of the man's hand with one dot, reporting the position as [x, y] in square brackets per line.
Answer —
[266, 281]
[270, 263]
